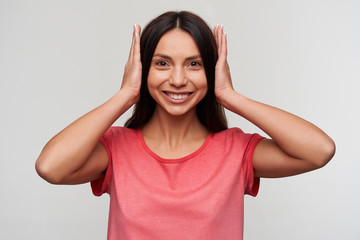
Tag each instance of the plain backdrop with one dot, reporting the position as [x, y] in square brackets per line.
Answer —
[60, 59]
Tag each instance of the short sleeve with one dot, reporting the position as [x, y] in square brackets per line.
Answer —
[102, 185]
[252, 182]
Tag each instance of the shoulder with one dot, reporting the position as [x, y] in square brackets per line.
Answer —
[117, 132]
[236, 136]
[122, 130]
[229, 133]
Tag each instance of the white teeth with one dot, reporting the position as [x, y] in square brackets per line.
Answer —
[178, 96]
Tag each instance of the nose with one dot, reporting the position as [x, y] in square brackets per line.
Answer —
[178, 78]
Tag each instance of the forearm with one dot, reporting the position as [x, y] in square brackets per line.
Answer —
[295, 136]
[73, 156]
[68, 150]
[297, 146]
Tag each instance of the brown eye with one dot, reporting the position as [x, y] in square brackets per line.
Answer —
[161, 63]
[195, 64]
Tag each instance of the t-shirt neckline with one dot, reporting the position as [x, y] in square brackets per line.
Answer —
[172, 160]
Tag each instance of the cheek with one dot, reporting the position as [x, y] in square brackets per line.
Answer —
[201, 81]
[151, 86]
[154, 80]
[204, 85]
[201, 85]
[155, 77]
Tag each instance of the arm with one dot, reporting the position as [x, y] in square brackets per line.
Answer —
[74, 155]
[296, 146]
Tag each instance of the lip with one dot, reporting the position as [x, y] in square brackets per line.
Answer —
[177, 97]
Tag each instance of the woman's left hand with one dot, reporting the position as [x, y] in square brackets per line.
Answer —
[297, 146]
[223, 83]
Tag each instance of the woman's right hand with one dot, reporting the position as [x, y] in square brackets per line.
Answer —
[133, 69]
[75, 155]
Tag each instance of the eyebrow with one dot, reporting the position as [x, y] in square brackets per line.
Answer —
[169, 58]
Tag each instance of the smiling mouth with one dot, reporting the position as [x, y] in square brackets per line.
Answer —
[178, 96]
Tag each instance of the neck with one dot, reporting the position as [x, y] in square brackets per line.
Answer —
[174, 130]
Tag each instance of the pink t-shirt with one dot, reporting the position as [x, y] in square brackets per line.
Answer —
[200, 196]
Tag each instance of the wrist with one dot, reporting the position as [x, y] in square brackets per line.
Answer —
[128, 96]
[227, 98]
[235, 102]
[120, 102]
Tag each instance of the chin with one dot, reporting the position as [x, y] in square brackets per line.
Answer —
[179, 111]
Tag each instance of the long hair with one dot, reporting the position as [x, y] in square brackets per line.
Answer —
[209, 111]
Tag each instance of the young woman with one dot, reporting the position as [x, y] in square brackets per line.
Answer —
[175, 171]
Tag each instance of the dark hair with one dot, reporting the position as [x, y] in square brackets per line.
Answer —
[209, 111]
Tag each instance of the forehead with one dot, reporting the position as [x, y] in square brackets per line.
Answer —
[177, 42]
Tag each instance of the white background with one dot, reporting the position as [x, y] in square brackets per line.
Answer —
[60, 59]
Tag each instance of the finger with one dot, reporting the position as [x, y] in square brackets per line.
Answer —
[131, 54]
[215, 34]
[220, 38]
[223, 50]
[136, 47]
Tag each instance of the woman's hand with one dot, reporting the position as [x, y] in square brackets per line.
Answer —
[223, 83]
[74, 155]
[296, 146]
[133, 69]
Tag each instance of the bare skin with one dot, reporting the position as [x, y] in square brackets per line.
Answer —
[74, 155]
[176, 69]
[296, 146]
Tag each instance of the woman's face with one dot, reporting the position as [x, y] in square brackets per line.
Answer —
[177, 79]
